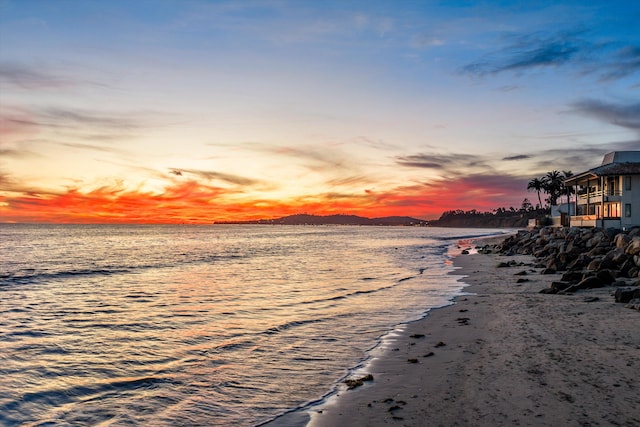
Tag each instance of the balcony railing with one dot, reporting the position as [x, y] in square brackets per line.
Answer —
[596, 195]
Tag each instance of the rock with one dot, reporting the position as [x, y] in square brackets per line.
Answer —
[465, 252]
[624, 295]
[572, 276]
[634, 304]
[621, 240]
[548, 271]
[559, 286]
[594, 265]
[633, 248]
[606, 276]
[520, 273]
[586, 283]
[357, 382]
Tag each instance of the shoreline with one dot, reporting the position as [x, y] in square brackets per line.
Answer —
[504, 354]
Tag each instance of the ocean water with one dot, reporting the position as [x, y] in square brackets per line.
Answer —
[201, 325]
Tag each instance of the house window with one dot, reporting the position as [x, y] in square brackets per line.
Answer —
[627, 183]
[612, 210]
[627, 210]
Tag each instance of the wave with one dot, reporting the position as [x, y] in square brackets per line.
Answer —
[78, 393]
[470, 236]
[30, 276]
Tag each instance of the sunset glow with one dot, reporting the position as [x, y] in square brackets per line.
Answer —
[202, 111]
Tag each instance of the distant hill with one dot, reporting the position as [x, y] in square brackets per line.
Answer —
[306, 219]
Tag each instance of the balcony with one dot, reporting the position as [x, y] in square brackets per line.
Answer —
[583, 220]
[600, 196]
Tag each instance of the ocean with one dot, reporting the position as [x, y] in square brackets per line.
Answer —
[220, 325]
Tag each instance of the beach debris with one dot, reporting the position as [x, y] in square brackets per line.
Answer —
[591, 299]
[463, 320]
[416, 336]
[440, 344]
[431, 353]
[521, 280]
[357, 382]
[412, 360]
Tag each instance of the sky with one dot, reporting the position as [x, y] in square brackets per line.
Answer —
[194, 111]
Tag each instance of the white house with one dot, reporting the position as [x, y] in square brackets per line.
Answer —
[608, 196]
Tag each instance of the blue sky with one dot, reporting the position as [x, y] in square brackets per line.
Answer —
[258, 108]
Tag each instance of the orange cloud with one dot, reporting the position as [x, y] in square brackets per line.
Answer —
[194, 202]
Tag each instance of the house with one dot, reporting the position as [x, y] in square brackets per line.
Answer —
[608, 196]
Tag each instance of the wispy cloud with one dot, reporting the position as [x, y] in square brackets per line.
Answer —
[606, 60]
[219, 176]
[27, 77]
[516, 157]
[623, 115]
[529, 51]
[623, 62]
[58, 117]
[443, 162]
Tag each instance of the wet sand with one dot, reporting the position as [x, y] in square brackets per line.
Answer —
[505, 356]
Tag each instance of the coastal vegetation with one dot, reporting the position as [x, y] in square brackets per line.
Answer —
[552, 184]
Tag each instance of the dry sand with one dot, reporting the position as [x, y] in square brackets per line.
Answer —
[506, 356]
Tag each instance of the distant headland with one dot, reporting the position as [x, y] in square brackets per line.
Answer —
[339, 219]
[466, 219]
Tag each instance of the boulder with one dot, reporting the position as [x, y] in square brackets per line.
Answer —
[594, 265]
[572, 276]
[624, 295]
[586, 283]
[634, 304]
[633, 248]
[606, 276]
[621, 240]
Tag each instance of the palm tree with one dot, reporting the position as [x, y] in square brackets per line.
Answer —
[568, 191]
[537, 185]
[553, 185]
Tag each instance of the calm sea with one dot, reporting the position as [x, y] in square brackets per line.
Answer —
[201, 325]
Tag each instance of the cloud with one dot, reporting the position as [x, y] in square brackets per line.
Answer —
[187, 201]
[318, 159]
[529, 51]
[30, 77]
[516, 157]
[76, 117]
[220, 176]
[623, 63]
[444, 162]
[607, 60]
[623, 115]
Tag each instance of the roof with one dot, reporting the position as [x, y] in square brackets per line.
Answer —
[621, 157]
[611, 166]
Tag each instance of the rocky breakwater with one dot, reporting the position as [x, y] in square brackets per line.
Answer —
[587, 258]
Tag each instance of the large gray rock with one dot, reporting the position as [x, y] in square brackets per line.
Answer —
[624, 295]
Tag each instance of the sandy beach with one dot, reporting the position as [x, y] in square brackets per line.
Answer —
[504, 356]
